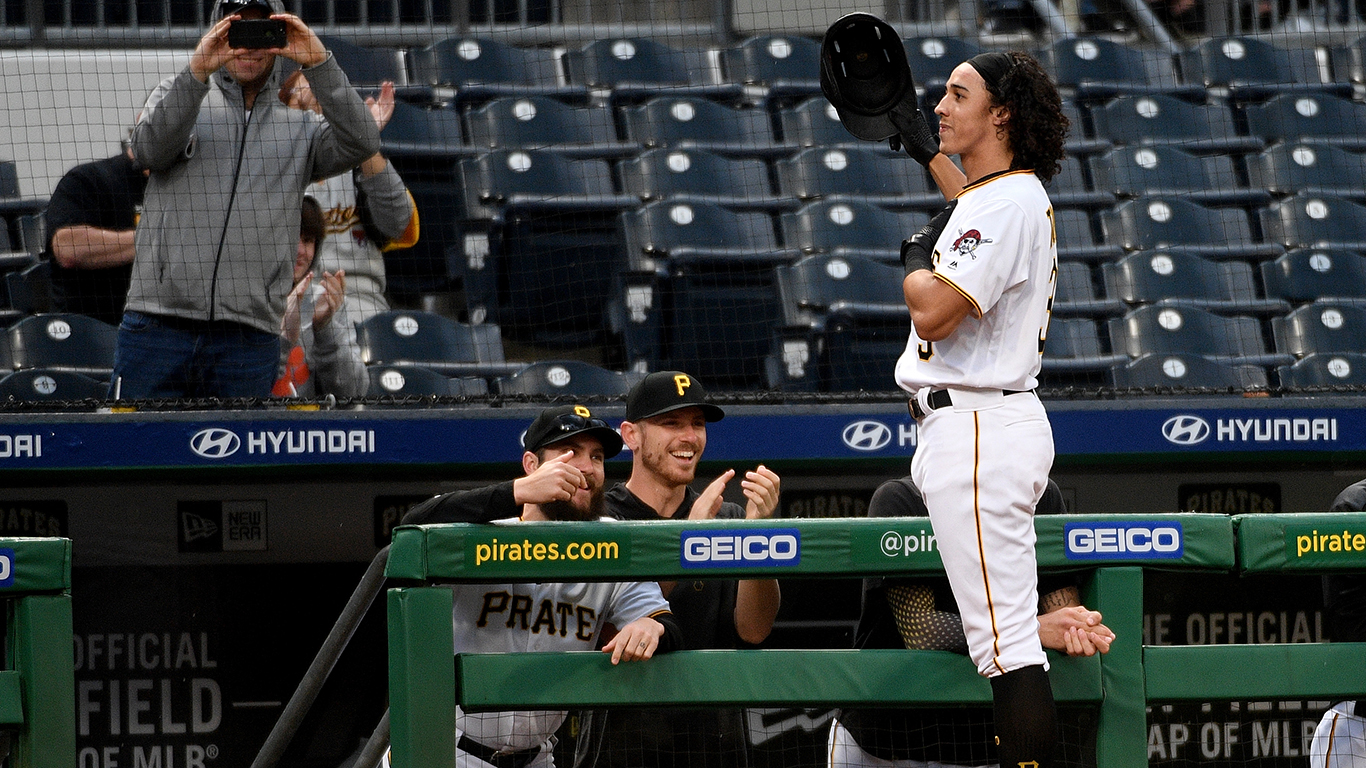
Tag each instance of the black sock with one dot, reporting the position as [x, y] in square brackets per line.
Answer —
[1026, 721]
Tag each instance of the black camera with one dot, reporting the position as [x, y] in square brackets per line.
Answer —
[257, 33]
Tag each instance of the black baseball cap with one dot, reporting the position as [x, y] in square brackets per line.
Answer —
[864, 74]
[565, 421]
[664, 391]
[229, 7]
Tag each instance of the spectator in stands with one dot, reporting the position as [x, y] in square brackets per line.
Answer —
[919, 613]
[228, 172]
[1340, 740]
[90, 219]
[320, 355]
[565, 449]
[666, 429]
[368, 212]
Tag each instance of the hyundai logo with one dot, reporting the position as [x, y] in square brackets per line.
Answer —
[1185, 430]
[867, 435]
[215, 443]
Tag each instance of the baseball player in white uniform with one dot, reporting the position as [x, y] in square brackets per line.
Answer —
[565, 450]
[1340, 739]
[979, 286]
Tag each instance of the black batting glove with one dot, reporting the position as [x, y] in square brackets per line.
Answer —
[916, 250]
[914, 133]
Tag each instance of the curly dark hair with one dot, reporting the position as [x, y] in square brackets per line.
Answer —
[1037, 127]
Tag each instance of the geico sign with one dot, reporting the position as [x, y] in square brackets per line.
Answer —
[719, 549]
[1123, 541]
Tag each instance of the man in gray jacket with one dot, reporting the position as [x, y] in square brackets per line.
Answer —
[219, 231]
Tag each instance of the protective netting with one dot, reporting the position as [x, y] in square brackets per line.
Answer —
[612, 188]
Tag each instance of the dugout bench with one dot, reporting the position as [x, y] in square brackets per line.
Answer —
[426, 681]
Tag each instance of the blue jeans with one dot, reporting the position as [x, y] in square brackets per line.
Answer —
[160, 356]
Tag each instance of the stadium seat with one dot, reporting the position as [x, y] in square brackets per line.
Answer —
[932, 58]
[416, 380]
[785, 66]
[700, 294]
[547, 217]
[1187, 371]
[1165, 170]
[699, 175]
[481, 69]
[851, 227]
[1316, 221]
[1165, 222]
[1348, 61]
[813, 123]
[540, 122]
[1081, 141]
[537, 181]
[1076, 238]
[1075, 293]
[1324, 327]
[871, 174]
[9, 179]
[30, 289]
[1161, 119]
[692, 122]
[637, 69]
[411, 337]
[423, 133]
[1095, 69]
[665, 230]
[1315, 169]
[1320, 118]
[1150, 276]
[62, 341]
[31, 231]
[51, 384]
[366, 66]
[1325, 370]
[565, 377]
[1253, 69]
[1174, 327]
[845, 323]
[1071, 188]
[1308, 274]
[1074, 346]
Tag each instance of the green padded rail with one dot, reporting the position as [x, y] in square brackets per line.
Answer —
[745, 678]
[823, 547]
[1313, 543]
[1290, 670]
[39, 565]
[11, 698]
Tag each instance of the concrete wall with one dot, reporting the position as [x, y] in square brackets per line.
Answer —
[72, 106]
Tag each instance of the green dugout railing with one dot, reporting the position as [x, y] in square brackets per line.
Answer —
[38, 683]
[426, 681]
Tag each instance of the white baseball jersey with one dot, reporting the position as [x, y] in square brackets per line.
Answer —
[1340, 739]
[538, 618]
[999, 251]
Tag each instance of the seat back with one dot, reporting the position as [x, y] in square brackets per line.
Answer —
[366, 66]
[63, 342]
[813, 287]
[858, 171]
[660, 173]
[412, 336]
[772, 59]
[478, 60]
[813, 123]
[1187, 370]
[1173, 328]
[1329, 369]
[498, 176]
[1150, 276]
[612, 61]
[666, 228]
[1161, 119]
[932, 58]
[51, 384]
[1308, 221]
[564, 377]
[1309, 274]
[1236, 61]
[1305, 116]
[1077, 60]
[1160, 170]
[414, 130]
[1293, 166]
[533, 122]
[848, 225]
[1160, 222]
[669, 121]
[1322, 327]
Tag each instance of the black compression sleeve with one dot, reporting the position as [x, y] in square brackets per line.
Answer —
[673, 634]
[481, 505]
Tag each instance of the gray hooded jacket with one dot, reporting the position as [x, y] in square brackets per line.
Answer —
[220, 222]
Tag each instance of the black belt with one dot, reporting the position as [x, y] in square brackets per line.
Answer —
[940, 398]
[516, 759]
